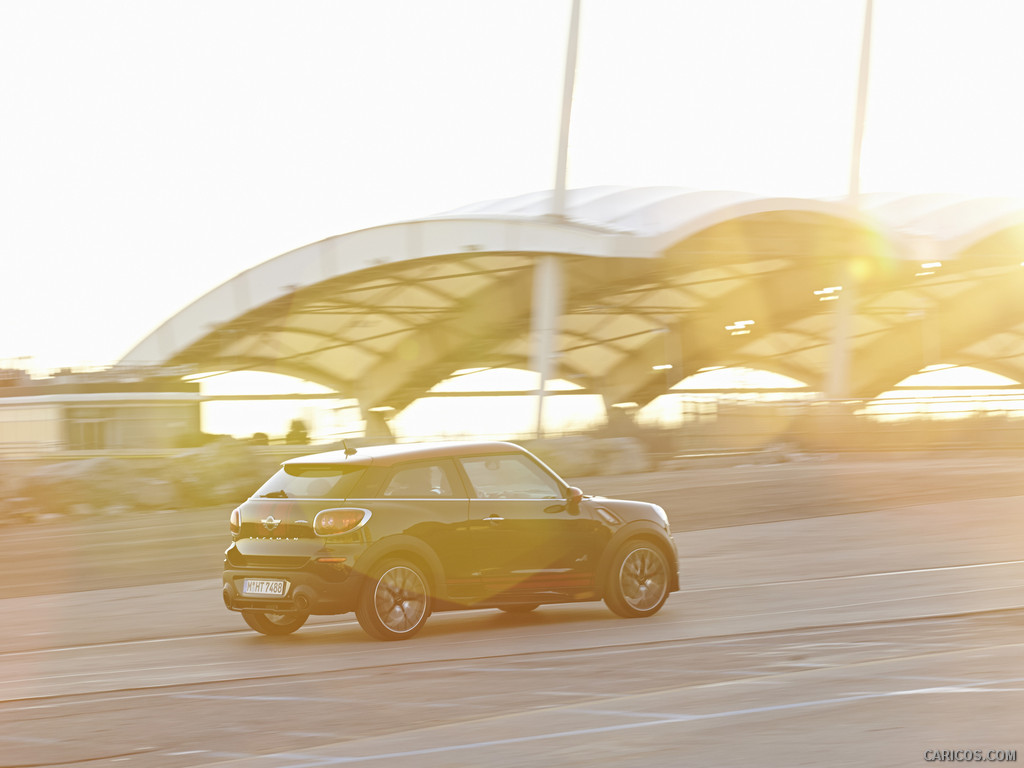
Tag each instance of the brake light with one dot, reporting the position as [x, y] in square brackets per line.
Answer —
[334, 563]
[332, 522]
[235, 522]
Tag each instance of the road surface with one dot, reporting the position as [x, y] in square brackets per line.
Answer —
[885, 635]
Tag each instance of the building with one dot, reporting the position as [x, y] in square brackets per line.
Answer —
[96, 410]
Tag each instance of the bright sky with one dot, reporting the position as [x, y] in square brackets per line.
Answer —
[152, 150]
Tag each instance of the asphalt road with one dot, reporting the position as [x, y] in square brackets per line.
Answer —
[879, 636]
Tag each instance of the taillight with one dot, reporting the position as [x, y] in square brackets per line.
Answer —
[334, 563]
[332, 522]
[235, 522]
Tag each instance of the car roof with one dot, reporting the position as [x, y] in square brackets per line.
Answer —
[386, 455]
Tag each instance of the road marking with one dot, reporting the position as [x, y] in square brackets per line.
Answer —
[317, 760]
[220, 697]
[658, 720]
[853, 576]
[280, 671]
[28, 740]
[815, 608]
[155, 640]
[965, 680]
[549, 655]
[122, 671]
[687, 620]
[625, 713]
[517, 670]
[321, 699]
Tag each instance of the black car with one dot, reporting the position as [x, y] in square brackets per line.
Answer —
[396, 532]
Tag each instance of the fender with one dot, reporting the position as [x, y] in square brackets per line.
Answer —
[644, 529]
[389, 545]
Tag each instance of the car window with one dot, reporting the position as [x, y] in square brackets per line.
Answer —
[420, 480]
[311, 482]
[509, 477]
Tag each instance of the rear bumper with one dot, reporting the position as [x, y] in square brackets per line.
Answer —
[306, 592]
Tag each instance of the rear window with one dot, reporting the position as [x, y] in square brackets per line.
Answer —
[297, 481]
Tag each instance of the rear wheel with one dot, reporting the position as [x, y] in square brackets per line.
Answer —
[274, 623]
[638, 580]
[395, 602]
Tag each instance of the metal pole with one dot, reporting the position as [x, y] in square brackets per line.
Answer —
[558, 199]
[547, 275]
[547, 308]
[838, 377]
[862, 103]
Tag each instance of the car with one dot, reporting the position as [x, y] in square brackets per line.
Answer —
[396, 532]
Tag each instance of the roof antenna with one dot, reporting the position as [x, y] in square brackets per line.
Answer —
[348, 451]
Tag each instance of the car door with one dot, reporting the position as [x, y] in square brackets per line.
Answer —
[527, 541]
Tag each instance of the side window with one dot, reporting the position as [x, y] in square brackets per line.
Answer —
[512, 476]
[421, 480]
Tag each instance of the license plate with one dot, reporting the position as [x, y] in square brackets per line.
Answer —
[268, 587]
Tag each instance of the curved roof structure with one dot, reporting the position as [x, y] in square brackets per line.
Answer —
[652, 277]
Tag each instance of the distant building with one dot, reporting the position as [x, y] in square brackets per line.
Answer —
[96, 410]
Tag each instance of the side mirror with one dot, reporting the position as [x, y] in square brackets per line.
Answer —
[573, 495]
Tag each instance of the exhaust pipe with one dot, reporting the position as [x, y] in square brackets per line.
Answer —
[303, 599]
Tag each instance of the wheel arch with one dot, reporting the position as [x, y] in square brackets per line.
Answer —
[411, 549]
[639, 530]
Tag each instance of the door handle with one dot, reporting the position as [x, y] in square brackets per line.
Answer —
[494, 519]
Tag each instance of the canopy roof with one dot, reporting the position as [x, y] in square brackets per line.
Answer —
[652, 277]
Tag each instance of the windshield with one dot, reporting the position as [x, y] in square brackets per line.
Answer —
[297, 481]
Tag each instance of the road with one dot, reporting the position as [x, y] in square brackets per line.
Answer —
[878, 637]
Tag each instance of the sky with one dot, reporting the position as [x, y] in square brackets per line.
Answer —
[151, 150]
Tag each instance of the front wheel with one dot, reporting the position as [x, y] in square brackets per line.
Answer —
[637, 580]
[395, 602]
[274, 623]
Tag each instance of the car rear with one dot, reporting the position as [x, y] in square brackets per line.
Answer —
[277, 561]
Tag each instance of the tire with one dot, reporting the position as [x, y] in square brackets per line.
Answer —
[274, 623]
[395, 602]
[638, 580]
[519, 608]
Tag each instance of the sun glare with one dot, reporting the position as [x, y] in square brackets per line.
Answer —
[674, 409]
[506, 416]
[324, 419]
[328, 420]
[972, 392]
[511, 416]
